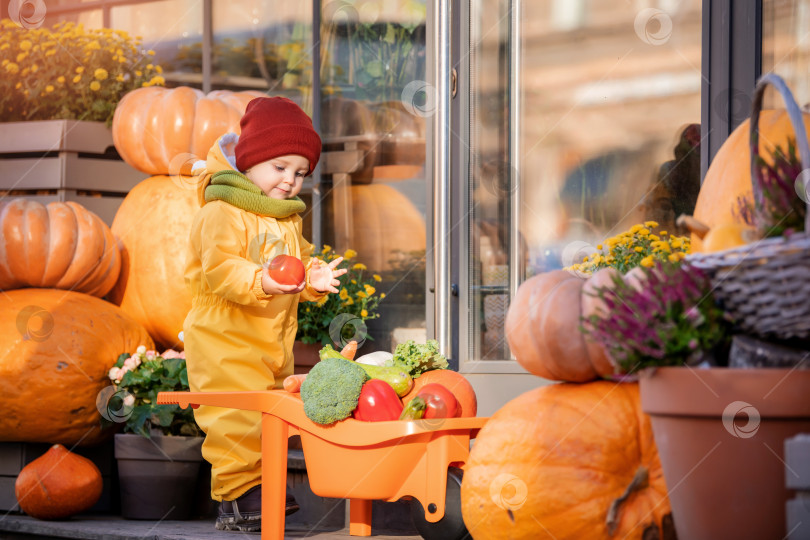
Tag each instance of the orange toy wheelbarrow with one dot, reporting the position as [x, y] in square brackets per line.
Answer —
[359, 461]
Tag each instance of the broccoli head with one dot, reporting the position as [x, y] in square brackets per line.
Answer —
[331, 390]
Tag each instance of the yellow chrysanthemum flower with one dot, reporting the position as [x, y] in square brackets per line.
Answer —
[25, 45]
[382, 295]
[322, 300]
[361, 294]
[22, 56]
[377, 278]
[344, 294]
[95, 86]
[359, 266]
[119, 78]
[369, 289]
[350, 253]
[12, 68]
[326, 249]
[77, 78]
[101, 74]
[80, 70]
[647, 261]
[651, 224]
[363, 313]
[60, 79]
[49, 88]
[348, 302]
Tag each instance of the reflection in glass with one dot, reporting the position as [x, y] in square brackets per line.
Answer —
[610, 111]
[785, 48]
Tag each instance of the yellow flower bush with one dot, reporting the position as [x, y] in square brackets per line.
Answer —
[638, 246]
[358, 297]
[69, 72]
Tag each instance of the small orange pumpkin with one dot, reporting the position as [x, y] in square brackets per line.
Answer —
[543, 327]
[153, 225]
[567, 461]
[56, 349]
[161, 130]
[61, 246]
[729, 175]
[453, 381]
[58, 484]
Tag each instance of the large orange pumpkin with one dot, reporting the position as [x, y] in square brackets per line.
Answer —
[62, 245]
[729, 175]
[58, 484]
[152, 225]
[162, 131]
[56, 349]
[543, 327]
[555, 462]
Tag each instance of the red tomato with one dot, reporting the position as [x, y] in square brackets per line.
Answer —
[287, 270]
[439, 401]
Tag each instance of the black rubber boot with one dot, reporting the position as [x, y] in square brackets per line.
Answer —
[245, 513]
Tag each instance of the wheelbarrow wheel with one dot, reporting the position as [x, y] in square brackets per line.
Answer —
[451, 526]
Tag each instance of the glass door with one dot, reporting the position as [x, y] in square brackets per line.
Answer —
[581, 120]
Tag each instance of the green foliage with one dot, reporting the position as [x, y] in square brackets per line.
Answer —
[142, 376]
[416, 358]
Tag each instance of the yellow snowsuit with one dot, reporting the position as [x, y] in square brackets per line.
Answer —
[237, 337]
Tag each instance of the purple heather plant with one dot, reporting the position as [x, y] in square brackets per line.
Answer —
[671, 320]
[775, 207]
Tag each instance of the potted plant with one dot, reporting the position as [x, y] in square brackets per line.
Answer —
[720, 424]
[159, 453]
[337, 319]
[58, 92]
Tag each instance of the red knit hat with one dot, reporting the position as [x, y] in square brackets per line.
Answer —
[273, 127]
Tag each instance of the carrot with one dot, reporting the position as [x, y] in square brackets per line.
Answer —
[349, 350]
[292, 383]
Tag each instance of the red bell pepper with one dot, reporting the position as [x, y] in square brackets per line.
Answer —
[439, 401]
[378, 402]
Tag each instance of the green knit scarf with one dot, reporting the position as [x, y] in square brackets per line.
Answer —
[235, 188]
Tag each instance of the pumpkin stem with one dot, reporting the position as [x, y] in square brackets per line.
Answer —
[640, 481]
[698, 228]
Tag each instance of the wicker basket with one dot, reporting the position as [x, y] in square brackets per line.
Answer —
[765, 286]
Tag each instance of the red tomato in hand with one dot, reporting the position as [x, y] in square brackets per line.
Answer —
[287, 270]
[439, 401]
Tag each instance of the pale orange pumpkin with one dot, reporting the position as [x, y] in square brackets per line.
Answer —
[555, 463]
[729, 175]
[62, 246]
[56, 350]
[163, 131]
[58, 484]
[153, 225]
[383, 221]
[453, 381]
[543, 327]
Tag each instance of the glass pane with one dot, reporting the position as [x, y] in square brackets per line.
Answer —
[264, 45]
[610, 112]
[171, 28]
[785, 49]
[373, 126]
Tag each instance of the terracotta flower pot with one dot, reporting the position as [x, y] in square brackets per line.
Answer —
[720, 434]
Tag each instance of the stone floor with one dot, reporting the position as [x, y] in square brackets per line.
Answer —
[20, 527]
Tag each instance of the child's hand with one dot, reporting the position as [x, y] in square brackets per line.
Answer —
[323, 277]
[270, 286]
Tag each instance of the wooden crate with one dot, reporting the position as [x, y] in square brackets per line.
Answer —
[64, 160]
